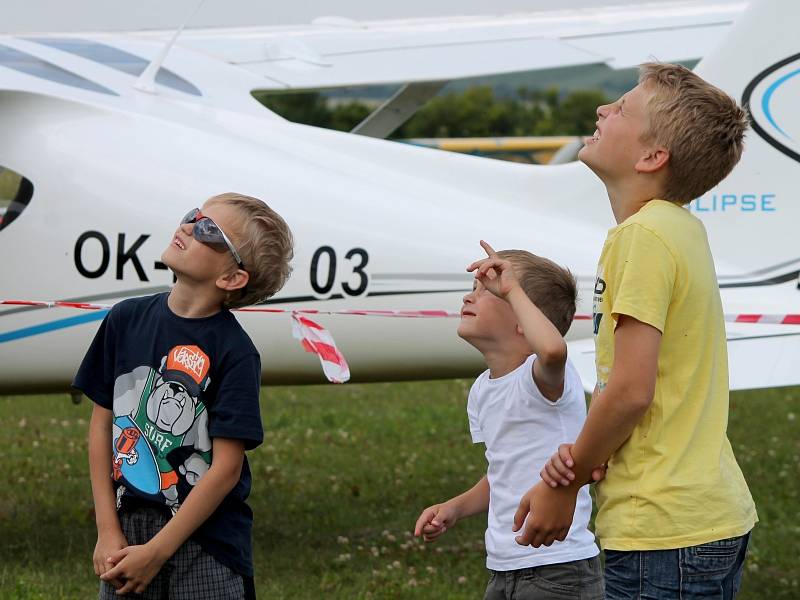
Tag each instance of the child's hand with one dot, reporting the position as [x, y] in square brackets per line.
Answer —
[557, 470]
[549, 515]
[135, 566]
[434, 521]
[108, 543]
[496, 274]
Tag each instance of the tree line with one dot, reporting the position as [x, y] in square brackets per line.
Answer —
[475, 112]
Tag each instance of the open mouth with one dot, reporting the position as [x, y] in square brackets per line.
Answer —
[177, 242]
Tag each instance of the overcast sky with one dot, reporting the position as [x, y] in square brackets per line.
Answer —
[106, 15]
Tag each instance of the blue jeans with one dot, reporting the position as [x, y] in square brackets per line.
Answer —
[708, 571]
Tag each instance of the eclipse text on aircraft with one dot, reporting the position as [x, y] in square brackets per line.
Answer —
[734, 203]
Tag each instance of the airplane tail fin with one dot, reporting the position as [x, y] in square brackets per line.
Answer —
[752, 216]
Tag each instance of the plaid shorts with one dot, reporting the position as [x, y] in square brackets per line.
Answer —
[191, 573]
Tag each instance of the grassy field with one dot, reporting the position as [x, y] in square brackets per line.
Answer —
[338, 484]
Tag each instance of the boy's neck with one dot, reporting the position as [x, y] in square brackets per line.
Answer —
[191, 302]
[629, 197]
[502, 362]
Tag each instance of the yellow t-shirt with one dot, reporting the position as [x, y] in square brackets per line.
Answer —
[674, 482]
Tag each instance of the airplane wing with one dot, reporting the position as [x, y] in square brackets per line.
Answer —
[758, 357]
[334, 52]
[763, 356]
[762, 353]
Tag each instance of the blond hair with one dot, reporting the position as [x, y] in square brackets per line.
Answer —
[550, 287]
[265, 244]
[702, 127]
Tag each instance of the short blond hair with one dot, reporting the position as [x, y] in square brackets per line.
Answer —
[265, 244]
[550, 287]
[702, 127]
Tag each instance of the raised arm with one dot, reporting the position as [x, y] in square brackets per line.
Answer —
[497, 275]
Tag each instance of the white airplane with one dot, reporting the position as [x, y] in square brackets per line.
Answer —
[107, 161]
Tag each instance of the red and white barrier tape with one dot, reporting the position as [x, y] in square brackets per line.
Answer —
[318, 340]
[418, 314]
[770, 319]
[766, 319]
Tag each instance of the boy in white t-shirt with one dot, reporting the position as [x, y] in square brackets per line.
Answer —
[528, 402]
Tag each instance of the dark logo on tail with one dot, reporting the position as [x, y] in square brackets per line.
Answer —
[769, 98]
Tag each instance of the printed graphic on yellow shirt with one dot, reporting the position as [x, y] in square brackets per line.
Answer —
[597, 318]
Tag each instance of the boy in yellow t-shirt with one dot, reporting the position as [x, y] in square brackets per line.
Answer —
[674, 511]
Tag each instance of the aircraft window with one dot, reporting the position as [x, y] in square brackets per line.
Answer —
[15, 194]
[31, 65]
[117, 59]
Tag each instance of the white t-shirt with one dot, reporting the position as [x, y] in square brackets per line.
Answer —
[522, 429]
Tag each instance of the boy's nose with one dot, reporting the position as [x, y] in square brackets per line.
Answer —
[187, 228]
[602, 110]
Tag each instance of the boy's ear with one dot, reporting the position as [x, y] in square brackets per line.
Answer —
[654, 159]
[234, 280]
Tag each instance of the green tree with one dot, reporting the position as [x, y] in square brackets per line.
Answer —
[310, 108]
[346, 116]
[577, 113]
[475, 112]
[472, 113]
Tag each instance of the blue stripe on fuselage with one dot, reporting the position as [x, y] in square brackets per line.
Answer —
[17, 334]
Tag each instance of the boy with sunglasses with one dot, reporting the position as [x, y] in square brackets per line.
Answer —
[175, 381]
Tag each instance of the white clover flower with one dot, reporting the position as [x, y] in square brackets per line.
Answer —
[343, 558]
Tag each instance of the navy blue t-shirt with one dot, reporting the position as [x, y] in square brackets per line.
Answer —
[173, 384]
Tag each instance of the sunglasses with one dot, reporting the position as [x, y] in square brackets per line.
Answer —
[209, 233]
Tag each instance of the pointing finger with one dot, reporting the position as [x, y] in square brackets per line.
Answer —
[489, 250]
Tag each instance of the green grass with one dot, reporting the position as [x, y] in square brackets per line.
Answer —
[338, 484]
